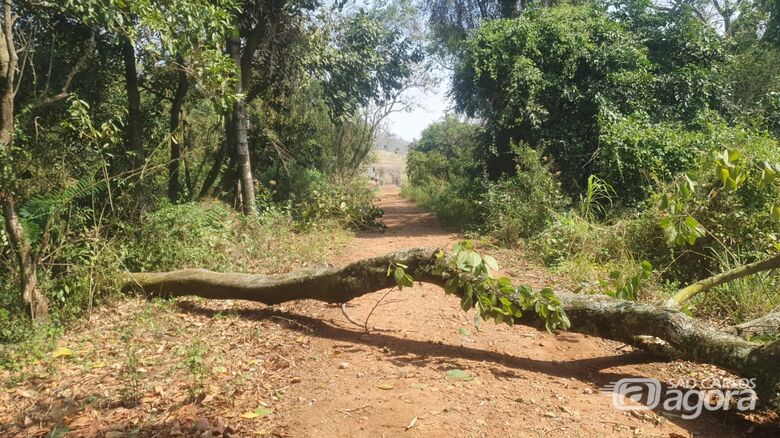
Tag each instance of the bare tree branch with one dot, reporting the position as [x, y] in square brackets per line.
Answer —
[45, 101]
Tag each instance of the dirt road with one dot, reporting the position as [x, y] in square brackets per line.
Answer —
[394, 381]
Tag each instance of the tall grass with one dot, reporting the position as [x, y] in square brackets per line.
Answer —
[597, 200]
[742, 299]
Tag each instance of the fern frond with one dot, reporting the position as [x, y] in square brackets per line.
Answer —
[35, 212]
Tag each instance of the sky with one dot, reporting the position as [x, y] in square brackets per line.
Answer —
[431, 107]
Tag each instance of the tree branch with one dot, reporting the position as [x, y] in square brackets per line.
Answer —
[45, 101]
[700, 286]
[766, 326]
[601, 316]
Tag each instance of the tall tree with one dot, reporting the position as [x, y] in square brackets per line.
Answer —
[547, 79]
[369, 64]
[452, 21]
[242, 53]
[260, 24]
[772, 33]
[135, 134]
[177, 104]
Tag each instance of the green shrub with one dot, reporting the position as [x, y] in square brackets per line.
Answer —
[634, 155]
[31, 347]
[77, 271]
[740, 300]
[424, 168]
[212, 236]
[453, 202]
[14, 321]
[521, 205]
[185, 235]
[737, 220]
[349, 201]
[588, 251]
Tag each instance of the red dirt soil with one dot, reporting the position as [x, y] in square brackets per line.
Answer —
[527, 383]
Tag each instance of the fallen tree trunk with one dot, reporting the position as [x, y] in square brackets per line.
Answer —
[595, 315]
[766, 326]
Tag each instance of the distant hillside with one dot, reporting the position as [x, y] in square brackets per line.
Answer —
[386, 141]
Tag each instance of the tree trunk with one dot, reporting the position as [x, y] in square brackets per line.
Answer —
[174, 184]
[239, 127]
[507, 8]
[211, 177]
[34, 300]
[601, 316]
[700, 286]
[230, 175]
[767, 326]
[135, 141]
[189, 183]
[8, 62]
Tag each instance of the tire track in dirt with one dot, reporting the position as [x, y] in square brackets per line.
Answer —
[393, 381]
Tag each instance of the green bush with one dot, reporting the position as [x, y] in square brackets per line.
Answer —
[521, 205]
[736, 221]
[76, 271]
[425, 168]
[634, 155]
[14, 321]
[213, 236]
[455, 203]
[444, 151]
[598, 256]
[349, 201]
[740, 300]
[186, 235]
[549, 78]
[443, 175]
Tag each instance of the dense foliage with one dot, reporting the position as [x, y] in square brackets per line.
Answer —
[599, 134]
[132, 131]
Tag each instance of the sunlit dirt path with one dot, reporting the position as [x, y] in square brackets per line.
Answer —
[393, 381]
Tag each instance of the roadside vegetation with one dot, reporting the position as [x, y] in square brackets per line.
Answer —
[607, 138]
[148, 136]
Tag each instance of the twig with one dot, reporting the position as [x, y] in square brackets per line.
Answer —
[289, 362]
[349, 411]
[343, 308]
[374, 308]
[292, 321]
[548, 431]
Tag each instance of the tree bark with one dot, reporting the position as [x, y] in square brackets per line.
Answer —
[601, 316]
[507, 8]
[33, 299]
[239, 127]
[767, 326]
[36, 303]
[135, 141]
[211, 177]
[174, 183]
[700, 286]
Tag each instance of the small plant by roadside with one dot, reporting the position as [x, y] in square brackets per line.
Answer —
[197, 369]
[130, 374]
